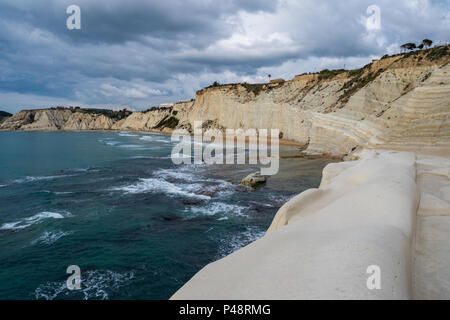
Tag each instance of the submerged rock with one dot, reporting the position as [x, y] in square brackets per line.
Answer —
[254, 180]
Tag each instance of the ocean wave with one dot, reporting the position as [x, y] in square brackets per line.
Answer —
[279, 199]
[49, 237]
[127, 134]
[163, 186]
[56, 193]
[184, 173]
[39, 178]
[181, 181]
[188, 173]
[2, 185]
[131, 146]
[112, 143]
[218, 208]
[95, 285]
[37, 218]
[153, 138]
[239, 241]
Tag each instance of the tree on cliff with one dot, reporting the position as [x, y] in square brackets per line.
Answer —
[408, 46]
[427, 43]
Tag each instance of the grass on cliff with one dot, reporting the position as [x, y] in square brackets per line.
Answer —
[437, 53]
[357, 81]
[327, 74]
[255, 88]
[115, 115]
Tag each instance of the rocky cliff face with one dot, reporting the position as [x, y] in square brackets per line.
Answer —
[400, 102]
[56, 119]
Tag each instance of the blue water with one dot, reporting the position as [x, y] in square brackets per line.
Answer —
[114, 204]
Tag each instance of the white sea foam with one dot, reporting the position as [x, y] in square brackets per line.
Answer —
[187, 173]
[131, 146]
[160, 185]
[218, 208]
[279, 199]
[98, 284]
[56, 193]
[154, 139]
[2, 185]
[39, 178]
[112, 143]
[127, 134]
[37, 218]
[49, 237]
[180, 173]
[239, 240]
[181, 181]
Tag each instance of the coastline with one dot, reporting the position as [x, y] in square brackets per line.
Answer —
[165, 132]
[388, 208]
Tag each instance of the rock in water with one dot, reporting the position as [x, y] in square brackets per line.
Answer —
[254, 180]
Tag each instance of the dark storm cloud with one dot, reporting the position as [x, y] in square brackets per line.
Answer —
[145, 52]
[114, 21]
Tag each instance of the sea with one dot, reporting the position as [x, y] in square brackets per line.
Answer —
[115, 205]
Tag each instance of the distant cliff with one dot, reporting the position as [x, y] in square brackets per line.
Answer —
[398, 102]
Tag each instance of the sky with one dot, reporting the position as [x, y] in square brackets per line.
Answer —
[139, 54]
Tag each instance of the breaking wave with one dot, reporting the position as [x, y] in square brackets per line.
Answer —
[239, 241]
[37, 218]
[40, 178]
[49, 237]
[127, 134]
[162, 186]
[218, 208]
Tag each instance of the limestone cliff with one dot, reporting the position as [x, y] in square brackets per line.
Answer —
[398, 102]
[58, 119]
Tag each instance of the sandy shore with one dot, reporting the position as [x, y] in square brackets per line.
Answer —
[388, 209]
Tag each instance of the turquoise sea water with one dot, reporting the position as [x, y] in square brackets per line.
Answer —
[114, 204]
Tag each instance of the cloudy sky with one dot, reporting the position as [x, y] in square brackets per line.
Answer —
[140, 53]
